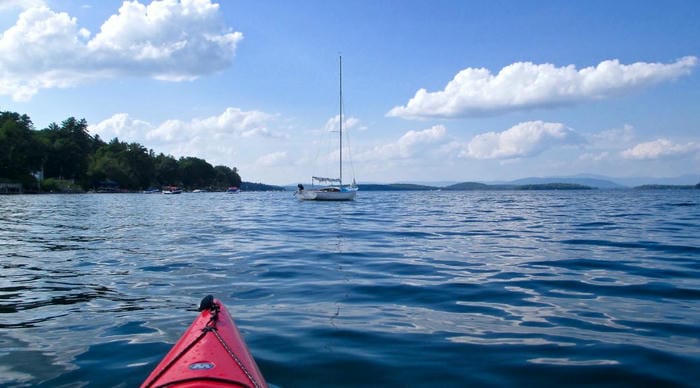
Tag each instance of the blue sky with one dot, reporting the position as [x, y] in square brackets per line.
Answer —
[433, 90]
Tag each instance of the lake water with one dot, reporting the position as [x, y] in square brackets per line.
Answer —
[423, 289]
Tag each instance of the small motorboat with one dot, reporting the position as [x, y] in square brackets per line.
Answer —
[172, 190]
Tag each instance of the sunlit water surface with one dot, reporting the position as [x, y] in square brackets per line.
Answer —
[393, 289]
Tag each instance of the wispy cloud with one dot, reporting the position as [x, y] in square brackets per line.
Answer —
[409, 145]
[613, 138]
[522, 140]
[349, 123]
[214, 138]
[166, 40]
[273, 159]
[606, 145]
[660, 148]
[21, 4]
[524, 85]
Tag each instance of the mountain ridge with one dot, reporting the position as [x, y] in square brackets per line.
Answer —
[593, 180]
[589, 180]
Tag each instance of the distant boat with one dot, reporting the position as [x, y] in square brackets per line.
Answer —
[331, 193]
[151, 191]
[233, 190]
[172, 190]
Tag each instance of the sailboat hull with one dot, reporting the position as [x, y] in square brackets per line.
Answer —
[324, 195]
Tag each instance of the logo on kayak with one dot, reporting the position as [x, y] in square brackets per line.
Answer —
[201, 366]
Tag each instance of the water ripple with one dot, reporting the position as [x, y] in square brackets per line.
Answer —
[393, 289]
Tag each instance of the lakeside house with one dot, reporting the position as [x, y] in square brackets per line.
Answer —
[10, 188]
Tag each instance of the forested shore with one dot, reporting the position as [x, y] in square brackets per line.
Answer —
[66, 157]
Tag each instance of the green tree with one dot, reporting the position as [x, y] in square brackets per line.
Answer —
[68, 151]
[20, 153]
[141, 165]
[69, 147]
[166, 171]
[196, 172]
[105, 164]
[130, 165]
[226, 177]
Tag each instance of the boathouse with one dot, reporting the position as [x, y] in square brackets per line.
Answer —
[10, 188]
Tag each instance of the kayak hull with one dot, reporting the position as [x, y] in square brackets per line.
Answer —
[211, 352]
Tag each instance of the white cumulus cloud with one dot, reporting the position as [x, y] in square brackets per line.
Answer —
[121, 126]
[214, 138]
[410, 144]
[167, 39]
[522, 140]
[525, 85]
[233, 122]
[659, 148]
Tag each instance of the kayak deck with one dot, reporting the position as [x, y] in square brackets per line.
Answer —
[211, 352]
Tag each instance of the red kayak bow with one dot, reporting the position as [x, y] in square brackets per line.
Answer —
[211, 353]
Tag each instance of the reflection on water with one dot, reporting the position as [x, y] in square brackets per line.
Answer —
[394, 289]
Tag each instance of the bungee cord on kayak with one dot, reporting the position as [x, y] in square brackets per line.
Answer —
[208, 301]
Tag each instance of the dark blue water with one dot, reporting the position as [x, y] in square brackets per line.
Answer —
[394, 289]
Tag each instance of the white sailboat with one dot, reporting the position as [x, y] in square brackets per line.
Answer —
[337, 192]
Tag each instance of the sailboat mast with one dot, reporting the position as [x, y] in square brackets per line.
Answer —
[341, 121]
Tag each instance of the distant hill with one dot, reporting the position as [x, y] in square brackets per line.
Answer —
[439, 184]
[478, 186]
[555, 186]
[396, 187]
[595, 181]
[538, 186]
[381, 187]
[604, 182]
[250, 186]
[690, 179]
[581, 181]
[667, 187]
[467, 186]
[590, 182]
